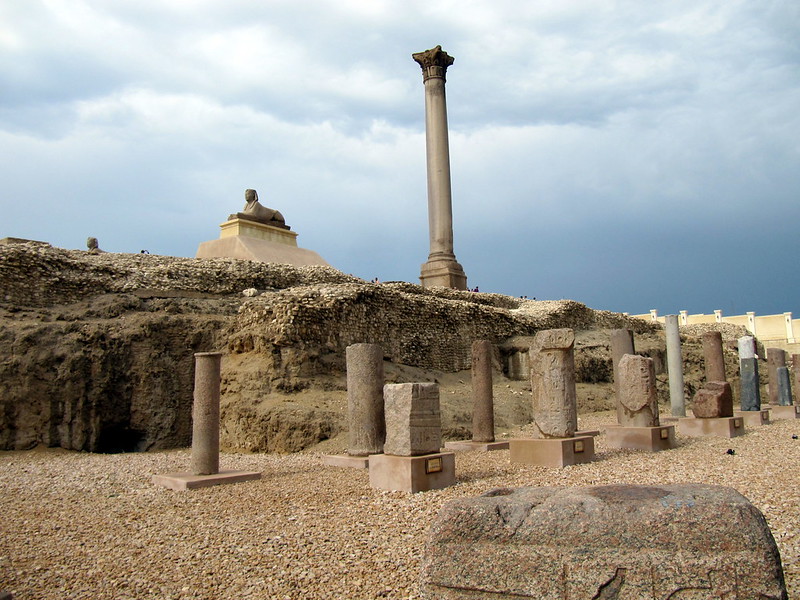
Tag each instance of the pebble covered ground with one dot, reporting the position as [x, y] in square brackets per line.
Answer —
[91, 526]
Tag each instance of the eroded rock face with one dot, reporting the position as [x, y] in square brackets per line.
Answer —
[617, 541]
[636, 392]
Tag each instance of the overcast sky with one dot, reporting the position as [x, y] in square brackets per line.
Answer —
[626, 154]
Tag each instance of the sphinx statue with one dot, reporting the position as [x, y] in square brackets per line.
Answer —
[255, 211]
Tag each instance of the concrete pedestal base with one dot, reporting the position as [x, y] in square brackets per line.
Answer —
[345, 460]
[651, 439]
[186, 481]
[467, 445]
[753, 418]
[722, 427]
[560, 452]
[444, 273]
[784, 412]
[412, 473]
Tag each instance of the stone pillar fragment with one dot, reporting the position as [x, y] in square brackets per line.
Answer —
[775, 358]
[621, 344]
[784, 387]
[482, 394]
[713, 401]
[205, 413]
[552, 358]
[796, 370]
[365, 411]
[637, 401]
[413, 420]
[675, 367]
[713, 356]
[441, 268]
[750, 394]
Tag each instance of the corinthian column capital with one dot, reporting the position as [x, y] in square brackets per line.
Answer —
[434, 62]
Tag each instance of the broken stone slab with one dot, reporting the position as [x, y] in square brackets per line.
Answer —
[614, 541]
[413, 420]
[637, 400]
[713, 400]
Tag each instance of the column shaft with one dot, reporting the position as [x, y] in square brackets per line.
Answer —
[205, 413]
[675, 367]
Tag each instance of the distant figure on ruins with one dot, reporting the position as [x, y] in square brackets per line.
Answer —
[92, 246]
[255, 211]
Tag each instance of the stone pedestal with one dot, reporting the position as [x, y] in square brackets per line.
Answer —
[552, 452]
[468, 446]
[753, 418]
[345, 460]
[651, 439]
[443, 273]
[182, 482]
[412, 473]
[784, 412]
[726, 427]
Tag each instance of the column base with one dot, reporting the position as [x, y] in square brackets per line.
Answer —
[467, 446]
[345, 460]
[650, 439]
[726, 427]
[784, 412]
[443, 272]
[553, 452]
[753, 418]
[186, 481]
[412, 473]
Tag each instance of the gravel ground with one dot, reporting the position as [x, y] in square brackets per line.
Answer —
[78, 525]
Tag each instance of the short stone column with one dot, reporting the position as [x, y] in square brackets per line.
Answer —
[621, 344]
[482, 393]
[365, 410]
[411, 459]
[637, 409]
[775, 358]
[675, 366]
[637, 396]
[205, 470]
[205, 413]
[713, 356]
[555, 413]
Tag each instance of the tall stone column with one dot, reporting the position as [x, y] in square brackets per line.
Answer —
[621, 344]
[205, 413]
[750, 394]
[482, 395]
[441, 268]
[775, 358]
[675, 367]
[713, 356]
[796, 371]
[365, 407]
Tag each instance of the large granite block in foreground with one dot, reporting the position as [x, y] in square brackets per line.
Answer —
[615, 541]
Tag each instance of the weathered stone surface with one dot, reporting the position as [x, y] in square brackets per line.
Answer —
[713, 357]
[750, 390]
[365, 379]
[747, 346]
[714, 400]
[637, 398]
[603, 542]
[775, 358]
[482, 394]
[555, 410]
[784, 387]
[413, 420]
[621, 344]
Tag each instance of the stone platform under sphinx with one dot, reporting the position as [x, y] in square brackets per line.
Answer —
[552, 452]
